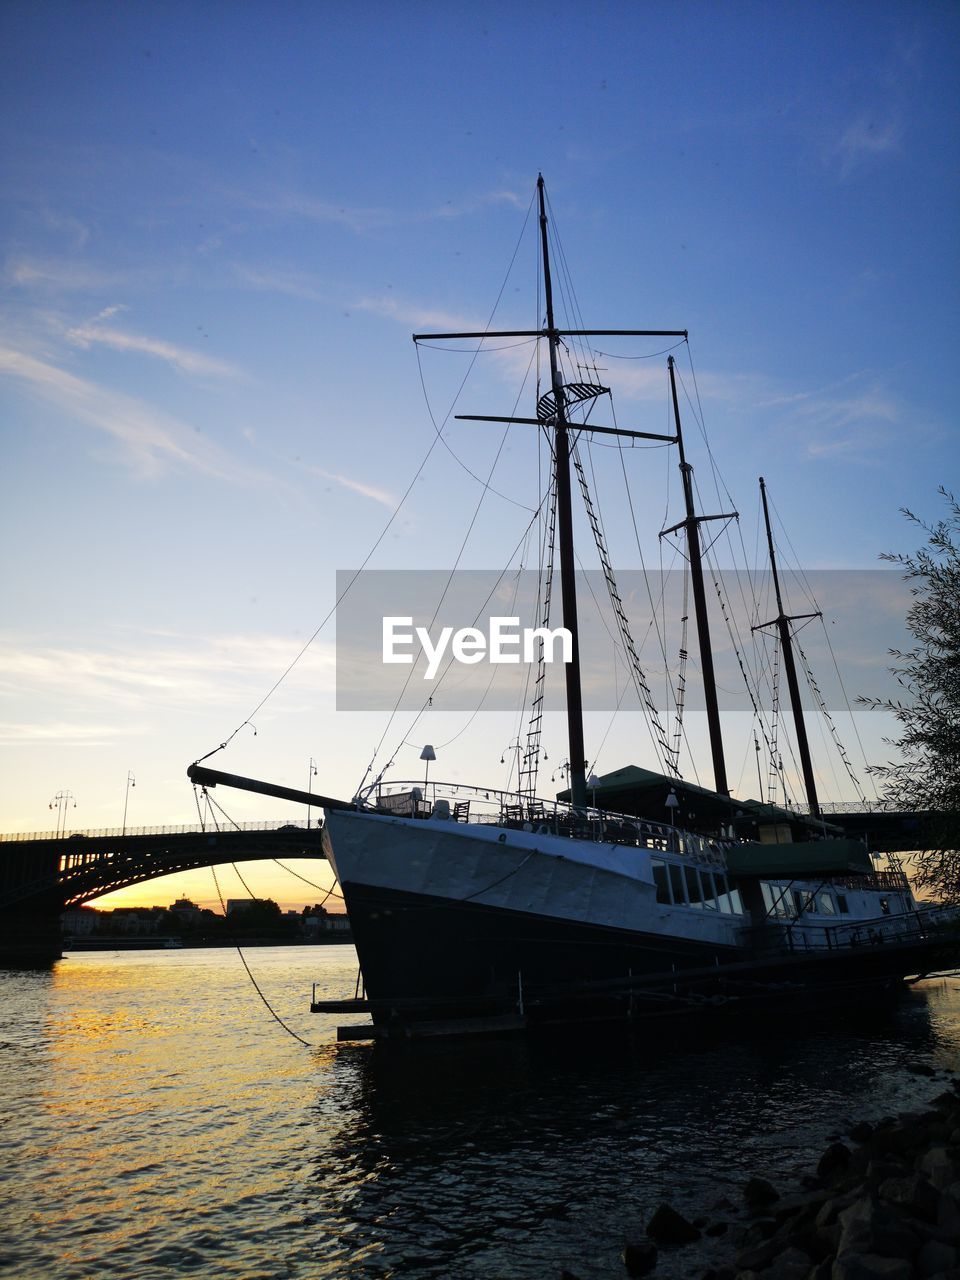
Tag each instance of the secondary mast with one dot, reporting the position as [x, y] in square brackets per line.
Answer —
[782, 623]
[692, 527]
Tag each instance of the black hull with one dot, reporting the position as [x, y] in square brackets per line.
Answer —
[426, 958]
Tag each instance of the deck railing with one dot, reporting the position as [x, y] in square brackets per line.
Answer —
[798, 937]
[462, 803]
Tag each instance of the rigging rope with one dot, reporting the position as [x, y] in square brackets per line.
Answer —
[223, 906]
[658, 734]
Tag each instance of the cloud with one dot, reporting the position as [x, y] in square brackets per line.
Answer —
[69, 277]
[60, 733]
[458, 209]
[179, 358]
[150, 438]
[178, 671]
[292, 204]
[383, 496]
[864, 139]
[415, 315]
[269, 280]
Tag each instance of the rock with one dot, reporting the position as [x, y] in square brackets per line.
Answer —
[717, 1229]
[756, 1233]
[761, 1255]
[912, 1195]
[858, 1222]
[834, 1160]
[948, 1210]
[881, 1170]
[670, 1227]
[792, 1264]
[802, 1208]
[862, 1132]
[868, 1266]
[832, 1208]
[639, 1257]
[758, 1193]
[938, 1166]
[920, 1069]
[935, 1257]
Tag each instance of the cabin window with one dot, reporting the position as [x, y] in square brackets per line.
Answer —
[724, 897]
[826, 904]
[736, 902]
[660, 879]
[777, 900]
[842, 904]
[773, 899]
[710, 891]
[676, 884]
[694, 894]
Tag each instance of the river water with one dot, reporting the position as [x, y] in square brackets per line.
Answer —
[158, 1122]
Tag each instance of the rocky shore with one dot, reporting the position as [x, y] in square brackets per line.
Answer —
[882, 1204]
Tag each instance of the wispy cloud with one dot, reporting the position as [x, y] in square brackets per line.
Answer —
[865, 139]
[294, 204]
[415, 315]
[61, 733]
[294, 284]
[70, 276]
[470, 204]
[383, 496]
[150, 438]
[180, 671]
[180, 358]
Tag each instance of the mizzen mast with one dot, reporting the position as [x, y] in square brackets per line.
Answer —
[782, 623]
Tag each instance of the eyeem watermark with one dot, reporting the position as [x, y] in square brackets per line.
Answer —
[505, 641]
[472, 639]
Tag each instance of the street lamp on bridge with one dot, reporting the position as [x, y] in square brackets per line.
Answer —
[311, 774]
[131, 782]
[61, 802]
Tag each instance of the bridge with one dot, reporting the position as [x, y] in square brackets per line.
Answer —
[42, 873]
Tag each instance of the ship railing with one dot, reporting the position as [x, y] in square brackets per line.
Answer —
[515, 811]
[798, 936]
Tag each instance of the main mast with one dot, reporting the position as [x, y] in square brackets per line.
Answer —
[782, 623]
[568, 577]
[553, 414]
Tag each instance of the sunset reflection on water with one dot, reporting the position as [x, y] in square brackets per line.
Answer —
[158, 1119]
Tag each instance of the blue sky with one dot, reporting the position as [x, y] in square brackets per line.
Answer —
[221, 224]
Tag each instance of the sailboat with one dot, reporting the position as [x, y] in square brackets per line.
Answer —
[474, 908]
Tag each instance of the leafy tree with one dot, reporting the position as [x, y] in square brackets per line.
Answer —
[927, 778]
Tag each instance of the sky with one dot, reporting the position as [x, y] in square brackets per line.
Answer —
[221, 225]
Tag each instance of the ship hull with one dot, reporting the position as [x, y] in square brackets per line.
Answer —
[457, 922]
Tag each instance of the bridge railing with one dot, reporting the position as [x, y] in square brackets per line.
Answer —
[183, 829]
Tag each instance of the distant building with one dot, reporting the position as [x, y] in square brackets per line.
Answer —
[186, 910]
[320, 922]
[137, 921]
[241, 904]
[80, 922]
